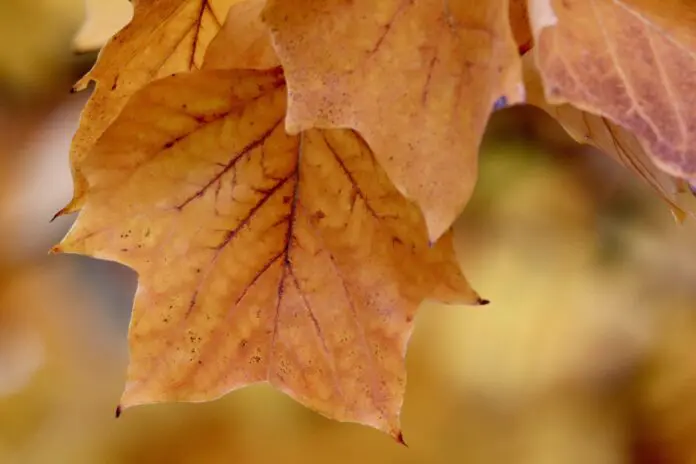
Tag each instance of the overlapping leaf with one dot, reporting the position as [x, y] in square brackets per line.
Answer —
[164, 37]
[418, 79]
[608, 137]
[262, 256]
[630, 61]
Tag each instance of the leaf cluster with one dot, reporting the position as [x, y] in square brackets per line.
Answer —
[283, 175]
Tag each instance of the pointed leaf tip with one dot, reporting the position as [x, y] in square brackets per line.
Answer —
[59, 213]
[399, 437]
[436, 225]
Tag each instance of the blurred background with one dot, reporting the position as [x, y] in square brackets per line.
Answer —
[585, 355]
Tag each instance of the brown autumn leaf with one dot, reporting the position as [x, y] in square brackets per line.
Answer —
[261, 256]
[164, 37]
[417, 79]
[609, 138]
[630, 61]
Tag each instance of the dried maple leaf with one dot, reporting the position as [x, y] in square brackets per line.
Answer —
[418, 79]
[608, 137]
[164, 37]
[261, 256]
[630, 61]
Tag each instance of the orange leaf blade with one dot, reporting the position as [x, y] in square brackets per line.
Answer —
[261, 256]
